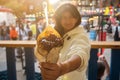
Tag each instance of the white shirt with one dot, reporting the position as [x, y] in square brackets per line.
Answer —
[76, 42]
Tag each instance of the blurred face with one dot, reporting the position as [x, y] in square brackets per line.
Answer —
[68, 21]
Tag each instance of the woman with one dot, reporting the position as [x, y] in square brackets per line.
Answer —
[74, 55]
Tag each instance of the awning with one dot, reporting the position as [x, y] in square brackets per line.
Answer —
[3, 9]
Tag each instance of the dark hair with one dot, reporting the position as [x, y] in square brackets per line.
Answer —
[58, 15]
[101, 69]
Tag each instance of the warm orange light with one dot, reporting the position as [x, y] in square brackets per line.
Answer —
[53, 1]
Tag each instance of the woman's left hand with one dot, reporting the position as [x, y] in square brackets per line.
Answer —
[50, 71]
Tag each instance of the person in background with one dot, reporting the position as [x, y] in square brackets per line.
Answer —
[116, 31]
[30, 36]
[22, 32]
[33, 28]
[103, 68]
[112, 19]
[13, 33]
[27, 28]
[75, 53]
[3, 33]
[8, 33]
[39, 27]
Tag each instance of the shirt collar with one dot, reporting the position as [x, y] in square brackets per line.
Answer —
[74, 31]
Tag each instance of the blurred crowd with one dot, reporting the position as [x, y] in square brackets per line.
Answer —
[108, 25]
[25, 30]
[22, 30]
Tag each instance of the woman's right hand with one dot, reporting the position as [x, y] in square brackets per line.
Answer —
[50, 71]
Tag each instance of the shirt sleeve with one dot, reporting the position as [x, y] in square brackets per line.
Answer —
[81, 47]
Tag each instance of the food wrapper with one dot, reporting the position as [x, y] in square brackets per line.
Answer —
[48, 46]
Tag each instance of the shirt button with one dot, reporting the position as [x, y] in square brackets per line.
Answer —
[68, 38]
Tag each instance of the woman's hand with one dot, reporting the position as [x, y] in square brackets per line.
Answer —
[50, 71]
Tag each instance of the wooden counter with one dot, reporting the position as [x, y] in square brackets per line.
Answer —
[94, 44]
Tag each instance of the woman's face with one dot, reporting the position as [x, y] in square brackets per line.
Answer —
[68, 21]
